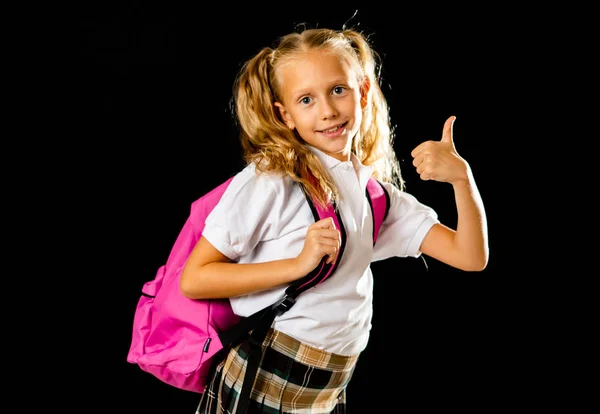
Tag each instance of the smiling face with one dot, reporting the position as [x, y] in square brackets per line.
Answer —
[322, 101]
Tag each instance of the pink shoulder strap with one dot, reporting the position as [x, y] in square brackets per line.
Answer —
[380, 204]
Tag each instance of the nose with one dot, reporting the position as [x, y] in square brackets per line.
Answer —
[328, 109]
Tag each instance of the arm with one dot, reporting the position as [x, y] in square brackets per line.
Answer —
[208, 273]
[465, 248]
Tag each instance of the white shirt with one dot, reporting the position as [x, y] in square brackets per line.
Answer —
[265, 217]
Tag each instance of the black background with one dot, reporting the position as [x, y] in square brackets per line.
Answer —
[153, 89]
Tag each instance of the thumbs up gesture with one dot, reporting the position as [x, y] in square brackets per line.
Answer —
[438, 160]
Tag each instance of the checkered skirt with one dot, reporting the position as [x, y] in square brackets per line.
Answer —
[292, 378]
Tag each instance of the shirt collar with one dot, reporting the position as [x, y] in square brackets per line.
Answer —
[330, 162]
[327, 160]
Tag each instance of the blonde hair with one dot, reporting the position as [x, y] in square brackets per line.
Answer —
[273, 147]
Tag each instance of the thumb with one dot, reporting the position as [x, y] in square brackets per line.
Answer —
[447, 132]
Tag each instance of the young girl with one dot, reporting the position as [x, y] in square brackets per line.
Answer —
[312, 105]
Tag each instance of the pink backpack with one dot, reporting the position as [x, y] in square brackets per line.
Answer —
[175, 338]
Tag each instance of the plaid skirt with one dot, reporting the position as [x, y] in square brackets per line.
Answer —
[292, 378]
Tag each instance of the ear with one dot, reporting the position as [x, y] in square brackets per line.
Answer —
[364, 92]
[285, 115]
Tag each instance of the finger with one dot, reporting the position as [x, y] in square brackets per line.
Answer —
[331, 234]
[419, 159]
[327, 247]
[421, 169]
[424, 174]
[423, 148]
[448, 130]
[418, 150]
[327, 241]
[326, 223]
[316, 233]
[426, 177]
[331, 254]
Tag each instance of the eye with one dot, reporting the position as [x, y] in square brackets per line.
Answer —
[305, 100]
[338, 90]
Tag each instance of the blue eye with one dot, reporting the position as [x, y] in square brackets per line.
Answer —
[306, 100]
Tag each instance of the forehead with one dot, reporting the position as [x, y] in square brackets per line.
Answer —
[314, 69]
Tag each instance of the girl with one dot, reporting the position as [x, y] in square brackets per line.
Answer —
[312, 105]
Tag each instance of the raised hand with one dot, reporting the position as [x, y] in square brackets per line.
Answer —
[322, 239]
[438, 160]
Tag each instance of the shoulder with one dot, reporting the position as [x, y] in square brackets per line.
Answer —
[250, 189]
[251, 207]
[250, 181]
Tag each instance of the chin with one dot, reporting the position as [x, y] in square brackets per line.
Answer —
[336, 151]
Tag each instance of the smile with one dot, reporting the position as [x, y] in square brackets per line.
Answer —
[333, 129]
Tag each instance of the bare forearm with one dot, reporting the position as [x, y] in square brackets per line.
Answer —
[471, 237]
[225, 279]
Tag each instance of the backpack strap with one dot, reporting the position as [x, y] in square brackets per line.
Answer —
[323, 270]
[379, 199]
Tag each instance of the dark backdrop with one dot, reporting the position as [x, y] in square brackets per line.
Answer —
[153, 94]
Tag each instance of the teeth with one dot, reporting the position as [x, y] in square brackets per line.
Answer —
[332, 129]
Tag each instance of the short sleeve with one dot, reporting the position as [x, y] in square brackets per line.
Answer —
[243, 216]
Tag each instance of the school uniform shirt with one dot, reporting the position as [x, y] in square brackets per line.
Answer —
[264, 217]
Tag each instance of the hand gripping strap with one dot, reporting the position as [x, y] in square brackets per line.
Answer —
[323, 270]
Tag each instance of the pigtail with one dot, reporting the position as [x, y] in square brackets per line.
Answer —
[376, 144]
[255, 112]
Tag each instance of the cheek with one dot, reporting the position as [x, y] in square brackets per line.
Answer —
[358, 112]
[303, 120]
[353, 105]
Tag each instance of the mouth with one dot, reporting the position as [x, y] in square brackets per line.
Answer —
[333, 129]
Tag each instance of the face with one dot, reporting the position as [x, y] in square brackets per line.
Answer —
[322, 101]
